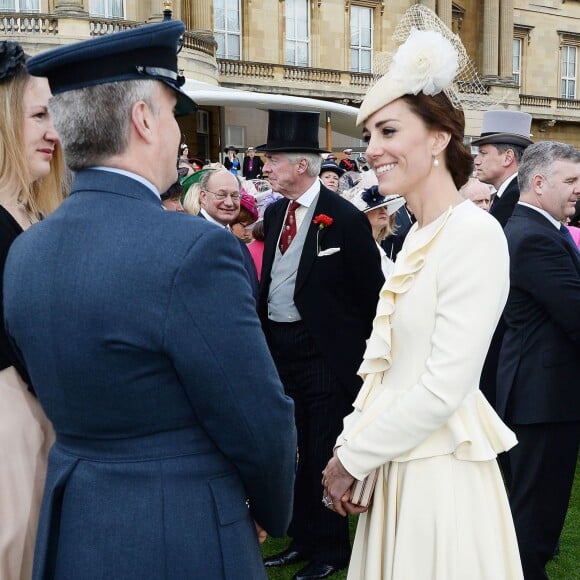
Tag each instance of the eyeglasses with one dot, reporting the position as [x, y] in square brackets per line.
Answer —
[223, 196]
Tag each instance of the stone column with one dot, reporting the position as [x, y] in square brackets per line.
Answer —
[202, 14]
[490, 37]
[445, 11]
[506, 37]
[70, 8]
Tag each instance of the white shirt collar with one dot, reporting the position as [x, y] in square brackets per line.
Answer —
[505, 184]
[310, 194]
[131, 175]
[551, 219]
[212, 220]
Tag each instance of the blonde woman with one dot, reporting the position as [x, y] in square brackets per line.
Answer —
[31, 186]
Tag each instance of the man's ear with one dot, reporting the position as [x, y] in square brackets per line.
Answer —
[141, 117]
[302, 165]
[509, 157]
[538, 181]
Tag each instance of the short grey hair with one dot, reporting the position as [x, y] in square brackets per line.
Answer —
[93, 122]
[539, 159]
[314, 160]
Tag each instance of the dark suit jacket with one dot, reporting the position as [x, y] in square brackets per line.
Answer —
[503, 207]
[256, 168]
[248, 263]
[539, 364]
[141, 337]
[336, 295]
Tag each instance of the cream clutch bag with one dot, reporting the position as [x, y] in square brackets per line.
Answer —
[361, 492]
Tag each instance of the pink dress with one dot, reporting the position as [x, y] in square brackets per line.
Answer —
[575, 233]
[256, 249]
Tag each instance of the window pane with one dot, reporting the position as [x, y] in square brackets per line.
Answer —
[29, 5]
[97, 7]
[366, 37]
[354, 60]
[219, 5]
[233, 5]
[302, 30]
[7, 5]
[234, 46]
[233, 23]
[290, 52]
[365, 61]
[220, 38]
[302, 54]
[219, 19]
[117, 8]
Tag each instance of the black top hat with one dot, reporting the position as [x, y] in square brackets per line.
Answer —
[231, 148]
[292, 131]
[146, 52]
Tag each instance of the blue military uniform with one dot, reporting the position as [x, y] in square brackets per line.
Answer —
[140, 334]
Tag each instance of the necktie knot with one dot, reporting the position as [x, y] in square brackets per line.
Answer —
[289, 228]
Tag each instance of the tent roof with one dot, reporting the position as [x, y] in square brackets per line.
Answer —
[343, 117]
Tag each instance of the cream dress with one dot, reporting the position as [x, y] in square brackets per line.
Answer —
[25, 438]
[439, 510]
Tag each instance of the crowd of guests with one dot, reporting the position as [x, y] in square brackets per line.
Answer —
[236, 365]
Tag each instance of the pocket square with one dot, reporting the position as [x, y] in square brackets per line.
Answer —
[328, 252]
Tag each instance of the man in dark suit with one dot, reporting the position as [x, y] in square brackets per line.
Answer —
[504, 138]
[539, 366]
[321, 276]
[175, 443]
[252, 166]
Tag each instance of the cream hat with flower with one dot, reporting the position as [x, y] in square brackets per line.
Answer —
[431, 59]
[426, 62]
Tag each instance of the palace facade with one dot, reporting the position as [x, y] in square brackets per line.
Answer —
[526, 52]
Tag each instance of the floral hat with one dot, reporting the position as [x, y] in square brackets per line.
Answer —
[370, 199]
[431, 59]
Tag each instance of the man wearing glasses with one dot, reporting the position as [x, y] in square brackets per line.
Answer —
[219, 198]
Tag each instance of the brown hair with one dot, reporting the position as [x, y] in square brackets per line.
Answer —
[437, 112]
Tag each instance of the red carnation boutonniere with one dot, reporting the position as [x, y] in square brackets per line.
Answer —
[322, 221]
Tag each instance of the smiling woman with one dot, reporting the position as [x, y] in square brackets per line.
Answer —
[419, 417]
[31, 182]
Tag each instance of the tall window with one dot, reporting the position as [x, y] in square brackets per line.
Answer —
[297, 32]
[361, 39]
[227, 24]
[20, 5]
[107, 8]
[517, 61]
[568, 71]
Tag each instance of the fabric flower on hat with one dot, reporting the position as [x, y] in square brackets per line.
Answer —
[426, 62]
[12, 58]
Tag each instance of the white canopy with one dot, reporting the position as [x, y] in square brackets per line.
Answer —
[342, 117]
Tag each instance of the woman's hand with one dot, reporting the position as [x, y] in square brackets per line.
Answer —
[337, 481]
[262, 534]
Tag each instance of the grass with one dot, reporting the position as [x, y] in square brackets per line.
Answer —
[566, 566]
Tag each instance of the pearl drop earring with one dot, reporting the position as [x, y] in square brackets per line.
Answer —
[435, 162]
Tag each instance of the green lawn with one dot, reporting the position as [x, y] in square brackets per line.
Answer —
[565, 567]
